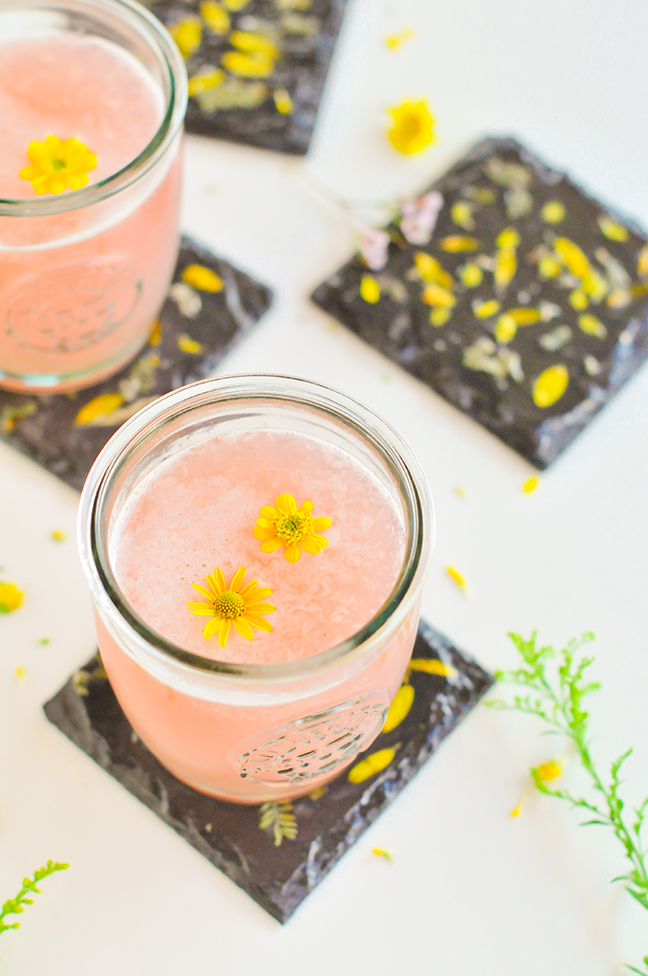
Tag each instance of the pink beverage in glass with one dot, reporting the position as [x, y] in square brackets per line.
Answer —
[83, 273]
[195, 508]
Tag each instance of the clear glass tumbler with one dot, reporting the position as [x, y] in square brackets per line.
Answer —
[254, 732]
[83, 274]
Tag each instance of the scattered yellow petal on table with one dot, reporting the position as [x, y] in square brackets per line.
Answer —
[375, 763]
[436, 295]
[546, 772]
[58, 536]
[590, 325]
[215, 16]
[506, 328]
[530, 484]
[381, 852]
[455, 575]
[187, 34]
[572, 256]
[553, 212]
[189, 345]
[578, 299]
[394, 42]
[471, 275]
[10, 597]
[455, 244]
[98, 407]
[642, 262]
[399, 708]
[484, 310]
[155, 337]
[202, 278]
[369, 289]
[412, 128]
[19, 673]
[205, 80]
[516, 811]
[439, 317]
[430, 665]
[613, 230]
[283, 101]
[550, 386]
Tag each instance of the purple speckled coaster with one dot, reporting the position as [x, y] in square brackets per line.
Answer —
[279, 852]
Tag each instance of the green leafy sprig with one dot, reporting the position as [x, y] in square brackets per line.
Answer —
[279, 818]
[15, 906]
[555, 688]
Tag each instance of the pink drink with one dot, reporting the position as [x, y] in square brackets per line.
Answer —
[256, 734]
[80, 288]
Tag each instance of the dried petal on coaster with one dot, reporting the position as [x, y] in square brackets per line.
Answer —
[279, 852]
[257, 68]
[211, 306]
[510, 292]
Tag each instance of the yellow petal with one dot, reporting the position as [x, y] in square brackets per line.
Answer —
[550, 386]
[211, 628]
[261, 533]
[243, 628]
[456, 244]
[10, 597]
[203, 591]
[247, 589]
[373, 764]
[223, 631]
[98, 407]
[530, 484]
[253, 42]
[642, 262]
[549, 771]
[260, 593]
[215, 16]
[592, 326]
[186, 344]
[369, 289]
[283, 101]
[571, 255]
[255, 65]
[201, 609]
[506, 328]
[455, 575]
[439, 297]
[260, 607]
[430, 665]
[202, 278]
[259, 622]
[237, 579]
[399, 708]
[613, 230]
[265, 523]
[292, 553]
[553, 212]
[483, 310]
[271, 545]
[286, 503]
[218, 580]
[268, 512]
[321, 522]
[306, 508]
[310, 545]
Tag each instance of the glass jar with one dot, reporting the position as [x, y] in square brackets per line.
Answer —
[254, 732]
[83, 274]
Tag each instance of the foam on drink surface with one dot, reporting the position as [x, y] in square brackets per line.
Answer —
[69, 85]
[197, 510]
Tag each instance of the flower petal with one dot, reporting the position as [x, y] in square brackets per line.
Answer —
[217, 581]
[265, 523]
[223, 631]
[260, 593]
[259, 622]
[268, 512]
[293, 553]
[286, 503]
[260, 607]
[311, 545]
[243, 628]
[211, 628]
[203, 591]
[271, 545]
[248, 588]
[262, 534]
[237, 579]
[306, 508]
[320, 523]
[201, 609]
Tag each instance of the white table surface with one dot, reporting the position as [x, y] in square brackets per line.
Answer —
[470, 891]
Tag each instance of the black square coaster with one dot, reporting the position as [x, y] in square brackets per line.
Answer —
[280, 851]
[509, 291]
[211, 306]
[256, 67]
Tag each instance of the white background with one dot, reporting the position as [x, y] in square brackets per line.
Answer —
[471, 891]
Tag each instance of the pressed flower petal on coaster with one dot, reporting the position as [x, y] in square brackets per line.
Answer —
[211, 306]
[278, 852]
[505, 288]
[256, 68]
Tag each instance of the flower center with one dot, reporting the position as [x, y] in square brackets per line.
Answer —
[58, 164]
[229, 604]
[292, 528]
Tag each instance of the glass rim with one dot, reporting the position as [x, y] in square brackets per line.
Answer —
[153, 32]
[132, 436]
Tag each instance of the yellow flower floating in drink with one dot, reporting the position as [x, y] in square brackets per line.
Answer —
[237, 605]
[57, 165]
[291, 527]
[412, 128]
[10, 597]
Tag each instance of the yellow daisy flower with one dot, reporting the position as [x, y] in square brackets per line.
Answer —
[235, 604]
[412, 128]
[57, 165]
[291, 527]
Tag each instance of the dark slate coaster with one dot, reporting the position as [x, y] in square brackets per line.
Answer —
[591, 294]
[196, 329]
[300, 36]
[277, 875]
